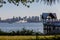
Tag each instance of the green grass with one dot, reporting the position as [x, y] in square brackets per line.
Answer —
[52, 37]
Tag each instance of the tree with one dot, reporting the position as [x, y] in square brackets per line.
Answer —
[25, 2]
[16, 2]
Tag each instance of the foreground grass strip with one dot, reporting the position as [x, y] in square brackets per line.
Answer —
[27, 37]
[16, 37]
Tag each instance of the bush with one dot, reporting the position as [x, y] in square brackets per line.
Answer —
[22, 32]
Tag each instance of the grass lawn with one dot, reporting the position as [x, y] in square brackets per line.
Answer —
[16, 37]
[25, 37]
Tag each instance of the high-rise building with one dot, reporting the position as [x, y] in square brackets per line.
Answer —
[36, 19]
[19, 18]
[0, 18]
[25, 18]
[33, 19]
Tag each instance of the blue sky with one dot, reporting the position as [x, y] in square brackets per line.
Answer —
[36, 9]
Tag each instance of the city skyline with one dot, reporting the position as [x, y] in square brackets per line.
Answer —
[19, 19]
[36, 9]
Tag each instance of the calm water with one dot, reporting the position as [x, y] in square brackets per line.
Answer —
[18, 26]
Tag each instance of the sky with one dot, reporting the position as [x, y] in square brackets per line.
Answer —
[36, 9]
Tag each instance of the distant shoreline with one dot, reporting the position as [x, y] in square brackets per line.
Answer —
[20, 22]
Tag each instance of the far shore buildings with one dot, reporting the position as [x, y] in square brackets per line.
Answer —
[19, 19]
[51, 23]
[33, 19]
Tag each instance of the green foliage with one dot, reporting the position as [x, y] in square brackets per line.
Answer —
[46, 38]
[25, 2]
[2, 2]
[22, 32]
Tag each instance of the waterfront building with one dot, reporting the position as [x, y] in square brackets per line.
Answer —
[51, 23]
[49, 16]
[52, 27]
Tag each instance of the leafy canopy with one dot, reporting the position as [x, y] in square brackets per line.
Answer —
[25, 2]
